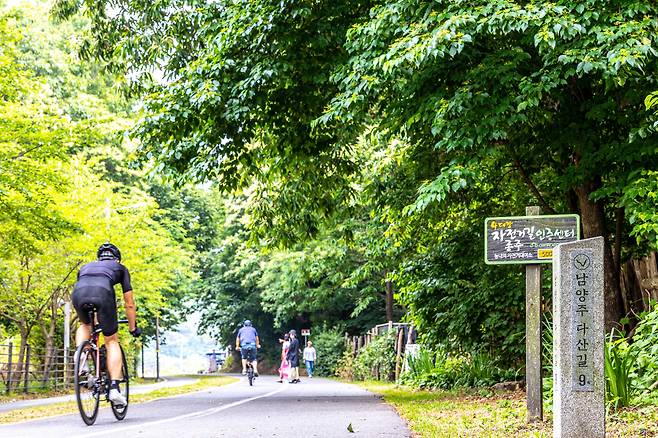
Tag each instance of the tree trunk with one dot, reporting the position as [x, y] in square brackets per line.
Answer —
[17, 372]
[620, 217]
[389, 301]
[572, 201]
[48, 330]
[594, 224]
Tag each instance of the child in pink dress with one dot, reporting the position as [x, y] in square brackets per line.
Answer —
[284, 369]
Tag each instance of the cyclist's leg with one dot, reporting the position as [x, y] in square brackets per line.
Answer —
[254, 360]
[83, 333]
[114, 365]
[114, 357]
[107, 317]
[244, 353]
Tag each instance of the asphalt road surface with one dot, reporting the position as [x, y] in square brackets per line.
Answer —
[168, 382]
[313, 408]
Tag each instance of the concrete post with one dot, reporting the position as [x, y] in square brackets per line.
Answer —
[579, 340]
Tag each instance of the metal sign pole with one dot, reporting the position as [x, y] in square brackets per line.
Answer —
[157, 348]
[67, 339]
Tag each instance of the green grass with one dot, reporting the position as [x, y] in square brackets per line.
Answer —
[487, 414]
[204, 382]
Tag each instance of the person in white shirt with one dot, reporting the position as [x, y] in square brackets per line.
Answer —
[309, 358]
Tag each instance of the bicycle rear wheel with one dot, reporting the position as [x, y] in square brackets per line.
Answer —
[87, 389]
[120, 412]
[250, 374]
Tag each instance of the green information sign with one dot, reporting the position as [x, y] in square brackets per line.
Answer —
[527, 239]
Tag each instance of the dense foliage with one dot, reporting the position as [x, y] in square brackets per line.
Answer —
[66, 187]
[349, 151]
[371, 138]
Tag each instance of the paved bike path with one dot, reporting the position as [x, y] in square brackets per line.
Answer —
[313, 408]
[168, 382]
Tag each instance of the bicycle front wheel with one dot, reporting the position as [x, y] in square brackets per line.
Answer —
[87, 388]
[120, 412]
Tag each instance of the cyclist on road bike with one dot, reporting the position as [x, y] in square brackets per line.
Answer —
[95, 286]
[247, 343]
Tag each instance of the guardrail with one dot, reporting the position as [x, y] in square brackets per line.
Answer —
[35, 371]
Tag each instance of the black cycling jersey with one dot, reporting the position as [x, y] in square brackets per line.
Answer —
[95, 286]
[104, 274]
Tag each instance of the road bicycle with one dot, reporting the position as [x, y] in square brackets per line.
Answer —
[92, 379]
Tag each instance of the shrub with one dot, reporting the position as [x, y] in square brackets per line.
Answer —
[227, 366]
[441, 370]
[422, 363]
[620, 362]
[645, 343]
[345, 368]
[376, 360]
[330, 345]
[547, 359]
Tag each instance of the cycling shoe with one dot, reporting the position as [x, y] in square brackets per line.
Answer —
[117, 398]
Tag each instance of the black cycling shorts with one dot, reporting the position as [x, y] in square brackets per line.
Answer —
[105, 303]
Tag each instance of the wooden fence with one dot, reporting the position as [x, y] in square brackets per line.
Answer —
[404, 334]
[639, 283]
[37, 373]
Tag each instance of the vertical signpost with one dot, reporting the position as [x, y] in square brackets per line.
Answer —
[157, 348]
[579, 339]
[530, 240]
[67, 340]
[533, 372]
[306, 333]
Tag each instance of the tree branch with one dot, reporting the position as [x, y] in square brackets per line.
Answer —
[57, 288]
[533, 188]
[27, 151]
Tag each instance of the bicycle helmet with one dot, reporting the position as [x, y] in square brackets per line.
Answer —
[247, 323]
[107, 251]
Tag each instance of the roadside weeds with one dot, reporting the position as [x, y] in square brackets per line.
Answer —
[486, 413]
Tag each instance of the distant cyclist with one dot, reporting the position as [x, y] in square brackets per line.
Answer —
[247, 342]
[95, 286]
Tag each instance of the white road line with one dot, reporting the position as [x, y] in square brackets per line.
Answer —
[207, 412]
